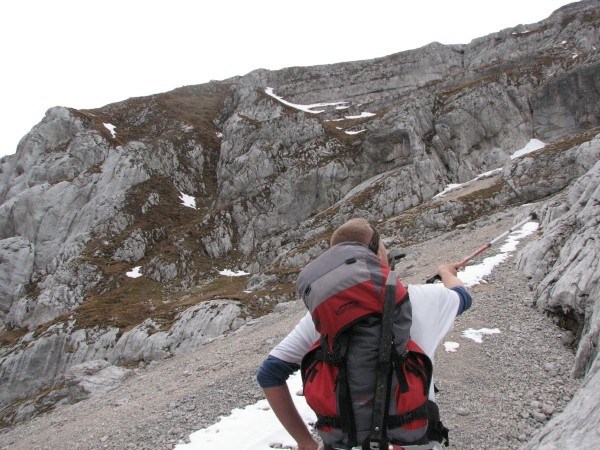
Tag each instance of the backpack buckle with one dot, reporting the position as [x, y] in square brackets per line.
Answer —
[333, 358]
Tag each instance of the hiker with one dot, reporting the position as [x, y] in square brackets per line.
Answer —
[434, 308]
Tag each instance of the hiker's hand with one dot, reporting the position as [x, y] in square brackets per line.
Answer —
[448, 273]
[448, 268]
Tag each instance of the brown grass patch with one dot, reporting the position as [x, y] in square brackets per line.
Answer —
[571, 141]
[10, 337]
[150, 117]
[135, 300]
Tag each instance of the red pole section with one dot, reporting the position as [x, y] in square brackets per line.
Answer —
[530, 217]
[470, 257]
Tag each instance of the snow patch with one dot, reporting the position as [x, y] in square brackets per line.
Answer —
[187, 200]
[453, 186]
[532, 146]
[254, 427]
[451, 346]
[477, 335]
[448, 188]
[135, 272]
[305, 108]
[110, 127]
[231, 273]
[361, 115]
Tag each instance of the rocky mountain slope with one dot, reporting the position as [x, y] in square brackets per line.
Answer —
[274, 161]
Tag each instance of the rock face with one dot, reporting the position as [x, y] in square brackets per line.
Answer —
[565, 272]
[274, 160]
[566, 282]
[63, 355]
[92, 377]
[569, 429]
[16, 269]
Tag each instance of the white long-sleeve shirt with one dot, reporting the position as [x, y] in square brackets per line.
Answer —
[434, 308]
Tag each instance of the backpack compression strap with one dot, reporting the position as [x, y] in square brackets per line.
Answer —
[378, 438]
[345, 421]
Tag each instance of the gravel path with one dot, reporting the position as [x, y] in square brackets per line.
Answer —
[493, 395]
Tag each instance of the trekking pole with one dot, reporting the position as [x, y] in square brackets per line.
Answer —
[530, 217]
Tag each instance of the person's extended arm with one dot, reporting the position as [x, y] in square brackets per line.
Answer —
[450, 280]
[281, 402]
[283, 360]
[448, 274]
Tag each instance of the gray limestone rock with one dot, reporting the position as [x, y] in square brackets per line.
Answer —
[577, 426]
[567, 103]
[87, 357]
[93, 377]
[479, 129]
[567, 279]
[194, 327]
[565, 271]
[133, 248]
[17, 254]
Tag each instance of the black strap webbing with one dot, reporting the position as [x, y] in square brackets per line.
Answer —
[422, 412]
[328, 421]
[378, 437]
[436, 430]
[345, 403]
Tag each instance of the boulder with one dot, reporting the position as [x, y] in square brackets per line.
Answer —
[92, 377]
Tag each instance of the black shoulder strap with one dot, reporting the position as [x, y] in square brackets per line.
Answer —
[378, 438]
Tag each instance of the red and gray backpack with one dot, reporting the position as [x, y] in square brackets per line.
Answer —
[365, 379]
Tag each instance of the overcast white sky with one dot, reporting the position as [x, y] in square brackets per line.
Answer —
[85, 54]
